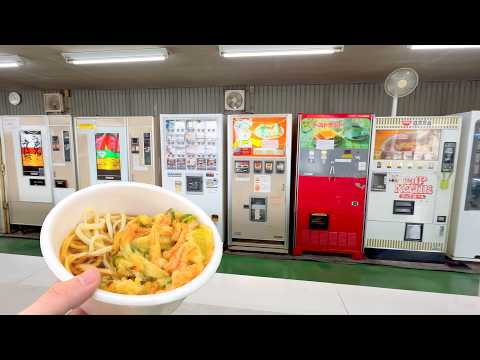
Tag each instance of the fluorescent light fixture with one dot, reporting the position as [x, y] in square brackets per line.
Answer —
[10, 61]
[233, 51]
[442, 47]
[115, 57]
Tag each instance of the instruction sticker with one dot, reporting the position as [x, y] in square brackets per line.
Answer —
[362, 166]
[86, 126]
[11, 123]
[261, 183]
[325, 144]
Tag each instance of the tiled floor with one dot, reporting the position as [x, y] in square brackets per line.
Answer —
[24, 278]
[329, 272]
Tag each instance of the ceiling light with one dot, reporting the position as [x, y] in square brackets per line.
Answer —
[10, 61]
[442, 47]
[115, 57]
[232, 51]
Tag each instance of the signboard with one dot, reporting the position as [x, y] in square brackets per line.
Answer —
[413, 187]
[107, 146]
[407, 144]
[32, 152]
[260, 136]
[330, 133]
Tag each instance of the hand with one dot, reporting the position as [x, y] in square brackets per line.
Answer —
[66, 297]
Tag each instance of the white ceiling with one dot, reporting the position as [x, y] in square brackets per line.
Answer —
[201, 65]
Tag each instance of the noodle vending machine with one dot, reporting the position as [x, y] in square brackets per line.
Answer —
[192, 161]
[464, 242]
[116, 149]
[259, 182]
[410, 191]
[332, 165]
[38, 166]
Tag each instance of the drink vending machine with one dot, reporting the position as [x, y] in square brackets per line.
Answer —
[259, 182]
[412, 178]
[116, 149]
[38, 166]
[192, 160]
[464, 241]
[332, 165]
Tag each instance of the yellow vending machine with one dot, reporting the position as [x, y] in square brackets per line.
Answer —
[259, 182]
[118, 148]
[38, 165]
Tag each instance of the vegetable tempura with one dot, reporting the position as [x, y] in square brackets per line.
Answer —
[139, 255]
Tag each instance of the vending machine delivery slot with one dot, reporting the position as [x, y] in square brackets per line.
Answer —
[258, 209]
[378, 182]
[413, 232]
[403, 207]
[318, 221]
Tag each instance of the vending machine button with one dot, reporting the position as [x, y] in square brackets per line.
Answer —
[379, 164]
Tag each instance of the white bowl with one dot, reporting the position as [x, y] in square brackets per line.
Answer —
[131, 198]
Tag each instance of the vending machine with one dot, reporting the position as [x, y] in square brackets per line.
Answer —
[38, 165]
[411, 183]
[116, 149]
[332, 165]
[464, 242]
[259, 182]
[192, 161]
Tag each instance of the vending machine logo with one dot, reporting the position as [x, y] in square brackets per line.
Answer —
[407, 122]
[419, 122]
[413, 187]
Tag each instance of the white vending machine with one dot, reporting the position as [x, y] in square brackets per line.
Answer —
[411, 182]
[38, 166]
[120, 148]
[464, 242]
[192, 161]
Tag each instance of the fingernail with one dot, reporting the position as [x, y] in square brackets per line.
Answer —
[88, 277]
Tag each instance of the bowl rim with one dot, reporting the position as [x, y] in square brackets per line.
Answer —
[54, 264]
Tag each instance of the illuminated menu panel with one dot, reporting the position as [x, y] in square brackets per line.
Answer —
[32, 153]
[107, 146]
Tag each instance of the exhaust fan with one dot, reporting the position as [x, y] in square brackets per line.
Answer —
[235, 100]
[53, 102]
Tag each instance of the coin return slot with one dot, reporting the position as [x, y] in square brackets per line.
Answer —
[403, 207]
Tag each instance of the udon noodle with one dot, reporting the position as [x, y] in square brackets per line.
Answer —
[138, 255]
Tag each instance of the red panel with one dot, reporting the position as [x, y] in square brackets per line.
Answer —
[333, 196]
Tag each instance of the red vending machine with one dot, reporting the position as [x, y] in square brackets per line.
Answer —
[332, 165]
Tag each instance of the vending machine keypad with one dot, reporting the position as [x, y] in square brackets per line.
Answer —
[257, 167]
[242, 167]
[280, 167]
[268, 167]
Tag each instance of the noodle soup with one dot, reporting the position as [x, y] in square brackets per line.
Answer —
[139, 255]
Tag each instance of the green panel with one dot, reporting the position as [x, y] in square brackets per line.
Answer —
[354, 274]
[20, 246]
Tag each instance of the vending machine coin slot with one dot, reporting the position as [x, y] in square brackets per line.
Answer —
[268, 167]
[258, 209]
[441, 219]
[135, 145]
[413, 232]
[318, 221]
[448, 156]
[378, 182]
[257, 167]
[147, 154]
[280, 167]
[194, 184]
[403, 207]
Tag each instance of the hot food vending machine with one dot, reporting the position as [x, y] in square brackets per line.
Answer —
[412, 175]
[464, 242]
[192, 161]
[116, 149]
[333, 154]
[259, 182]
[38, 164]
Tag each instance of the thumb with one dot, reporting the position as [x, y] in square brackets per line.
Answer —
[64, 296]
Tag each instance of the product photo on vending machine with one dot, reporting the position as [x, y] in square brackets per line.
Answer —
[39, 166]
[332, 165]
[259, 156]
[116, 149]
[412, 177]
[464, 242]
[192, 161]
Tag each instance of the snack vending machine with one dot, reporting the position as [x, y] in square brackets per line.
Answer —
[38, 164]
[464, 242]
[332, 165]
[259, 182]
[192, 161]
[412, 178]
[116, 149]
